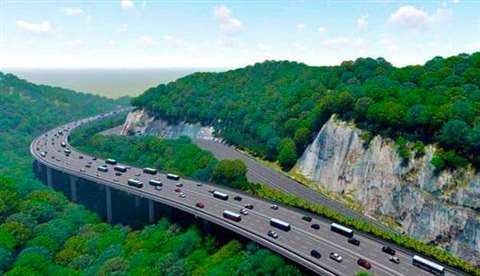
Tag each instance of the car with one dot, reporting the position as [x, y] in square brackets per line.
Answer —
[80, 157]
[336, 257]
[199, 184]
[272, 234]
[314, 253]
[307, 218]
[394, 259]
[200, 205]
[237, 198]
[82, 170]
[43, 154]
[179, 185]
[388, 250]
[182, 195]
[244, 212]
[88, 166]
[158, 188]
[118, 173]
[115, 180]
[249, 206]
[102, 168]
[94, 158]
[354, 241]
[177, 190]
[364, 263]
[274, 207]
[138, 174]
[315, 226]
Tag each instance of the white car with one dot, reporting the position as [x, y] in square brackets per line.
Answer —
[336, 257]
[244, 212]
[182, 195]
[394, 259]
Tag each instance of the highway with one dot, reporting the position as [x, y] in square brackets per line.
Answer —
[295, 244]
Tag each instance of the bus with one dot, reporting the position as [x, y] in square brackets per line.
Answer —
[347, 232]
[120, 168]
[280, 224]
[428, 265]
[150, 171]
[173, 176]
[135, 183]
[155, 182]
[111, 161]
[220, 195]
[232, 216]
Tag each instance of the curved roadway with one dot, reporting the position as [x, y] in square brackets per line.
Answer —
[295, 244]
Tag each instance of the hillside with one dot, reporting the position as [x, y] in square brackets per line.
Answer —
[275, 108]
[27, 110]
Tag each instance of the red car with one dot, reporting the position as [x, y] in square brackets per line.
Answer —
[177, 190]
[364, 263]
[200, 205]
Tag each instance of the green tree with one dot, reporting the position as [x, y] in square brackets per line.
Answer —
[287, 155]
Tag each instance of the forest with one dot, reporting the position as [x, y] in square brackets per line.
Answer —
[187, 159]
[274, 108]
[42, 233]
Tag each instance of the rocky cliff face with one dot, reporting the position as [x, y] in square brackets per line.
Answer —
[443, 208]
[139, 122]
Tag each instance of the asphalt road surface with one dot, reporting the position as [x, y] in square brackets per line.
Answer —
[295, 244]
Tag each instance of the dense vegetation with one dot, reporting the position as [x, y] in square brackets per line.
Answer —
[43, 234]
[274, 108]
[178, 156]
[153, 151]
[27, 110]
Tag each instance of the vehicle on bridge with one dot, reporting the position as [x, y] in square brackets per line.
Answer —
[173, 176]
[428, 265]
[280, 224]
[155, 182]
[111, 161]
[347, 232]
[135, 183]
[220, 195]
[102, 168]
[232, 216]
[150, 170]
[120, 168]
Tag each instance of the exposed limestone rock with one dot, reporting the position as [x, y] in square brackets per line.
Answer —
[139, 122]
[442, 208]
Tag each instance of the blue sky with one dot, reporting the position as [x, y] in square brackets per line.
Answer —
[158, 33]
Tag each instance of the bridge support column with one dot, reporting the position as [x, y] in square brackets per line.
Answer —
[137, 201]
[73, 188]
[38, 166]
[108, 194]
[151, 211]
[49, 177]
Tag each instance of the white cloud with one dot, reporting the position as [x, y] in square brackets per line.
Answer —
[388, 43]
[72, 11]
[123, 28]
[263, 47]
[172, 41]
[42, 28]
[127, 4]
[147, 41]
[321, 29]
[415, 18]
[228, 23]
[74, 43]
[112, 42]
[300, 27]
[362, 23]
